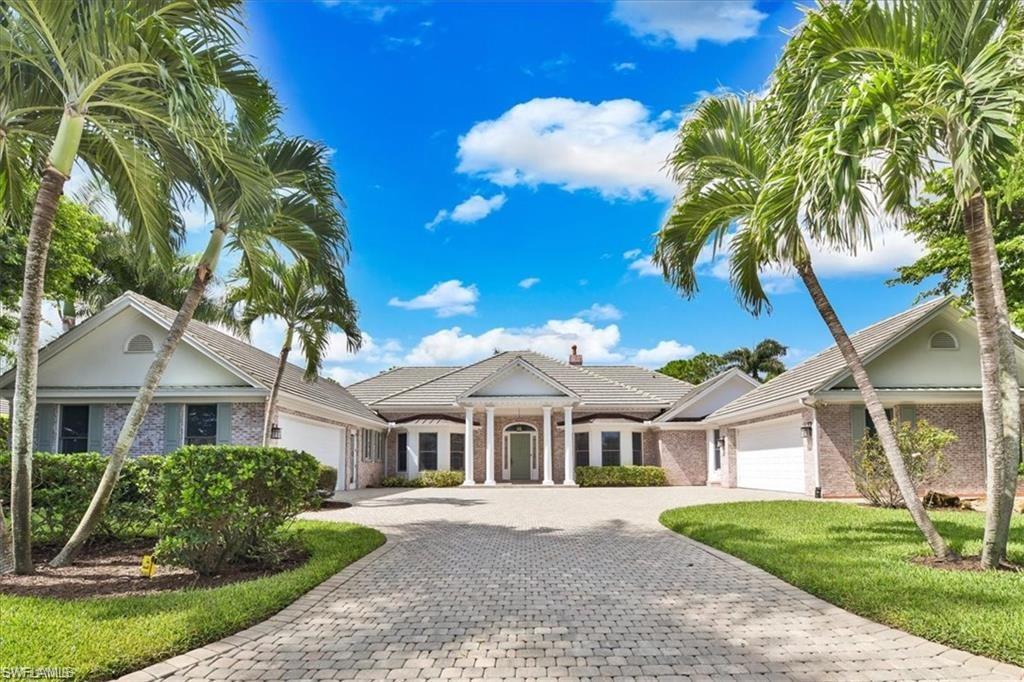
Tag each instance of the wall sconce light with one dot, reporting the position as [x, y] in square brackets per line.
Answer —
[807, 429]
[721, 441]
[275, 432]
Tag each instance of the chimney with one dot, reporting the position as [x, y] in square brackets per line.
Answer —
[575, 358]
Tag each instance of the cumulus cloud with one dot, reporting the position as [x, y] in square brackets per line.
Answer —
[599, 312]
[454, 346]
[631, 254]
[347, 375]
[529, 282]
[641, 263]
[624, 66]
[613, 147]
[445, 298]
[665, 351]
[473, 209]
[682, 24]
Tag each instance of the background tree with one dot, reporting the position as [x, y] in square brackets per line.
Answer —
[762, 362]
[727, 161]
[695, 370]
[310, 310]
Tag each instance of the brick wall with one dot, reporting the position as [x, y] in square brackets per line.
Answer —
[683, 456]
[247, 423]
[150, 439]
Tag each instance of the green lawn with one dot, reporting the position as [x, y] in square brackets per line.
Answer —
[858, 558]
[104, 637]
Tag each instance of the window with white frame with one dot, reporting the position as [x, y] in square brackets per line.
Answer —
[372, 445]
[638, 449]
[403, 452]
[428, 452]
[457, 451]
[581, 441]
[611, 448]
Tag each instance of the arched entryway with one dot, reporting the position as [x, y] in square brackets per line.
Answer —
[520, 453]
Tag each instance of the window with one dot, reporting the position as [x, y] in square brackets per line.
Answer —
[428, 452]
[74, 428]
[869, 426]
[200, 424]
[611, 448]
[943, 340]
[140, 343]
[371, 445]
[403, 451]
[717, 450]
[582, 441]
[638, 449]
[458, 451]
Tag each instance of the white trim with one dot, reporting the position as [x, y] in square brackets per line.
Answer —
[516, 363]
[709, 388]
[163, 394]
[467, 465]
[679, 426]
[489, 441]
[548, 457]
[506, 454]
[894, 396]
[956, 341]
[569, 459]
[788, 403]
[764, 422]
[714, 475]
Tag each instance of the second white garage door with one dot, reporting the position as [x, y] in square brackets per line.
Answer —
[323, 441]
[770, 456]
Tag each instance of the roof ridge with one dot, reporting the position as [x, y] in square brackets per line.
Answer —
[438, 377]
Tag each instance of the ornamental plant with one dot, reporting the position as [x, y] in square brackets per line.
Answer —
[922, 449]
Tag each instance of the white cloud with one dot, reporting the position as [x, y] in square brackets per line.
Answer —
[446, 298]
[642, 264]
[346, 375]
[473, 209]
[453, 346]
[599, 312]
[624, 66]
[613, 147]
[386, 351]
[374, 11]
[683, 24]
[664, 352]
[529, 282]
[631, 254]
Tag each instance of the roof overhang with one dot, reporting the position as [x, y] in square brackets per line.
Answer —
[775, 407]
[72, 394]
[704, 390]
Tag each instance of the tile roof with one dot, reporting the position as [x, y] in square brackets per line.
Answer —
[260, 365]
[696, 392]
[596, 385]
[817, 371]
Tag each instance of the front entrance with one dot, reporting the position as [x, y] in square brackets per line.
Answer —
[519, 456]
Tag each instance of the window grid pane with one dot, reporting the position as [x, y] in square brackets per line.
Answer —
[74, 428]
[428, 452]
[611, 448]
[638, 449]
[201, 425]
[458, 451]
[403, 452]
[582, 443]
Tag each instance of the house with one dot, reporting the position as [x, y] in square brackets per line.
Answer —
[523, 416]
[214, 390]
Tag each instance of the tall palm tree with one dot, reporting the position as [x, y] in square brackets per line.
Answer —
[123, 88]
[291, 204]
[883, 90]
[309, 308]
[725, 163]
[762, 362]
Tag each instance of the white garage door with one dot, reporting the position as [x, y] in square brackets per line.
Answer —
[770, 456]
[323, 441]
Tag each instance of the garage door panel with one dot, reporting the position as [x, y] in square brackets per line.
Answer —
[770, 457]
[320, 440]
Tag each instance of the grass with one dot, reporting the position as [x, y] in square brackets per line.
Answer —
[104, 637]
[859, 558]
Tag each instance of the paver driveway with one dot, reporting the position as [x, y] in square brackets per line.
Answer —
[538, 583]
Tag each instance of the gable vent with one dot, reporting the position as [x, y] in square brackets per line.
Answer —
[942, 340]
[140, 343]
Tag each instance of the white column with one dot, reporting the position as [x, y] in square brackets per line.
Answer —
[547, 446]
[489, 450]
[468, 465]
[570, 449]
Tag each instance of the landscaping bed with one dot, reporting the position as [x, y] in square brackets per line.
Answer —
[869, 561]
[99, 638]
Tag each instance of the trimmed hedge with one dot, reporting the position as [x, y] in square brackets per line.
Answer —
[222, 505]
[63, 486]
[428, 479]
[637, 476]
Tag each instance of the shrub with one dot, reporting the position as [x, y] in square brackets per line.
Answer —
[5, 430]
[223, 505]
[327, 481]
[596, 477]
[399, 482]
[922, 450]
[63, 485]
[441, 479]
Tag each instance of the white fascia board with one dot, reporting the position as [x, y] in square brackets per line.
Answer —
[514, 401]
[163, 394]
[784, 405]
[965, 395]
[682, 426]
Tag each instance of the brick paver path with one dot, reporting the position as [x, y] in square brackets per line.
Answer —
[532, 583]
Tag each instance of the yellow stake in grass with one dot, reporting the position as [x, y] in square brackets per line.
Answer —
[148, 567]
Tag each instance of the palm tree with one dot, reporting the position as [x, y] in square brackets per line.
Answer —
[293, 205]
[123, 88]
[763, 359]
[726, 163]
[309, 309]
[879, 91]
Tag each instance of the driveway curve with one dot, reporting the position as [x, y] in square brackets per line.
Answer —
[548, 583]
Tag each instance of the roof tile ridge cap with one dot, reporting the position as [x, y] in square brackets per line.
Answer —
[378, 375]
[437, 378]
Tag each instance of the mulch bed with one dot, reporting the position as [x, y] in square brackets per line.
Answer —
[111, 569]
[333, 504]
[967, 563]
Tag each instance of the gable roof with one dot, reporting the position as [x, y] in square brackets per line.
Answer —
[443, 387]
[828, 366]
[250, 363]
[704, 389]
[521, 363]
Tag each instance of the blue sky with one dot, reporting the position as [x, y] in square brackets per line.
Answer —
[501, 165]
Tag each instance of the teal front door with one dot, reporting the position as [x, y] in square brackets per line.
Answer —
[519, 456]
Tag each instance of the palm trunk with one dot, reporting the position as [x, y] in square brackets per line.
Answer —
[51, 186]
[137, 412]
[268, 417]
[1000, 391]
[876, 411]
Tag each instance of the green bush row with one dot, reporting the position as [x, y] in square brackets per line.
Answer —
[428, 479]
[602, 477]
